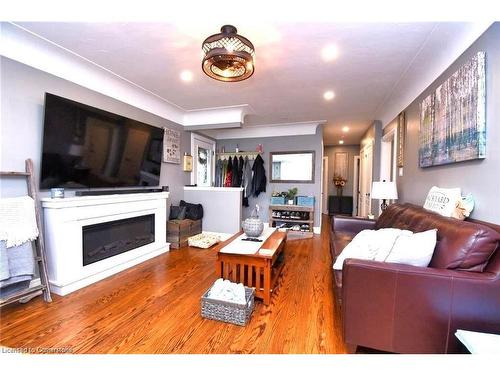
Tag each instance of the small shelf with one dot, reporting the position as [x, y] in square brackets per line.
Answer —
[293, 208]
[292, 220]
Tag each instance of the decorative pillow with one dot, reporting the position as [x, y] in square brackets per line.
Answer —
[442, 201]
[415, 249]
[464, 207]
[193, 211]
[182, 213]
[370, 245]
[174, 212]
[203, 240]
[390, 245]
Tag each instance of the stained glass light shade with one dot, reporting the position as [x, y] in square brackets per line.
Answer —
[227, 56]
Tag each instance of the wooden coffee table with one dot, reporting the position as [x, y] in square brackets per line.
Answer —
[259, 271]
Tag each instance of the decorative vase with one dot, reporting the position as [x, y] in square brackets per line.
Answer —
[253, 226]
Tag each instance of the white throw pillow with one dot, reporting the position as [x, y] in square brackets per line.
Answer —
[390, 245]
[442, 201]
[370, 245]
[415, 250]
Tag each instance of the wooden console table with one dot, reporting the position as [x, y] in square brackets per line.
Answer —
[259, 271]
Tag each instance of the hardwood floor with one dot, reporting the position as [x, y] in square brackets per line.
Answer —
[155, 308]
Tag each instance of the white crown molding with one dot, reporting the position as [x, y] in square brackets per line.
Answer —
[422, 70]
[26, 47]
[268, 130]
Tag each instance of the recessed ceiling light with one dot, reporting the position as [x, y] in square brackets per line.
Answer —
[329, 95]
[345, 129]
[186, 76]
[341, 142]
[329, 52]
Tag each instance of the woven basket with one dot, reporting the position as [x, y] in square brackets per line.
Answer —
[228, 312]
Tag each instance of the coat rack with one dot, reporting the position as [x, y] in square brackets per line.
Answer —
[225, 155]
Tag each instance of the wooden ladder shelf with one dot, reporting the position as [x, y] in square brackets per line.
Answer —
[39, 243]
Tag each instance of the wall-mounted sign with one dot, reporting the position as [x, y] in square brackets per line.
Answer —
[172, 146]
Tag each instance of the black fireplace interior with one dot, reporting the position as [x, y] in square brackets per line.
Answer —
[104, 240]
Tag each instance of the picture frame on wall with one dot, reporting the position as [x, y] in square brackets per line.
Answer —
[341, 165]
[401, 139]
[171, 146]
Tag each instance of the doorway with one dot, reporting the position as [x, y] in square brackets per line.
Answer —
[203, 151]
[365, 166]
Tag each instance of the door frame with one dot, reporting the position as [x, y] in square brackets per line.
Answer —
[363, 175]
[198, 137]
[355, 185]
[324, 182]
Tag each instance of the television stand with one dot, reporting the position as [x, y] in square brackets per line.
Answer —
[82, 193]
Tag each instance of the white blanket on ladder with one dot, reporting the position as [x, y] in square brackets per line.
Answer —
[17, 220]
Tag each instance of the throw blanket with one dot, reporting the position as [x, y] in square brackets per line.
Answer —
[224, 290]
[371, 245]
[237, 246]
[17, 220]
[17, 266]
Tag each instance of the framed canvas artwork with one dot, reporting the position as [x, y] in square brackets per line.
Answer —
[172, 146]
[401, 139]
[453, 117]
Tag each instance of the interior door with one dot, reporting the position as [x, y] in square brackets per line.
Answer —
[366, 164]
[203, 161]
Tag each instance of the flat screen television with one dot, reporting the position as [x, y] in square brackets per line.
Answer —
[86, 147]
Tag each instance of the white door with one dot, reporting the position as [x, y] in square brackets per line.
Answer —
[203, 151]
[366, 165]
[324, 186]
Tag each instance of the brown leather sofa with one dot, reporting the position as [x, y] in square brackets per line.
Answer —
[407, 309]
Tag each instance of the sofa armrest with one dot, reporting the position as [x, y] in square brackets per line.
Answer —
[407, 309]
[351, 224]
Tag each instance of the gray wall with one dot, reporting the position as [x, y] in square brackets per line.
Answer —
[330, 152]
[288, 143]
[374, 134]
[481, 178]
[22, 107]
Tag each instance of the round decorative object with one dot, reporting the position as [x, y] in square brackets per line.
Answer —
[228, 57]
[253, 226]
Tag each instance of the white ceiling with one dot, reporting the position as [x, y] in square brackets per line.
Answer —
[290, 76]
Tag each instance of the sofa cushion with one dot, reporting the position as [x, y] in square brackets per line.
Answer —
[461, 245]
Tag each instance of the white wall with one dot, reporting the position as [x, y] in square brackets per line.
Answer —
[22, 107]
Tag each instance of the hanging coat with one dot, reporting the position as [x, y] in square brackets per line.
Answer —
[241, 164]
[229, 173]
[246, 181]
[234, 180]
[224, 172]
[218, 173]
[259, 179]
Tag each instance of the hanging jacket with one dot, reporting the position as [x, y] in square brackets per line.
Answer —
[234, 180]
[246, 181]
[259, 179]
[229, 173]
[224, 172]
[241, 164]
[218, 173]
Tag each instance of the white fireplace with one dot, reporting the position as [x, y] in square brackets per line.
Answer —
[72, 222]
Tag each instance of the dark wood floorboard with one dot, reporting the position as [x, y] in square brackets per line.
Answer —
[154, 307]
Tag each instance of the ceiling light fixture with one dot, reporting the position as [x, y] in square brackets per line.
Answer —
[345, 129]
[186, 76]
[227, 56]
[329, 52]
[341, 142]
[329, 95]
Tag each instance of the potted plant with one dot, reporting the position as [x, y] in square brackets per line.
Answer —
[290, 195]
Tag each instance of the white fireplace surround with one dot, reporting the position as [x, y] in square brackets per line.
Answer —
[64, 219]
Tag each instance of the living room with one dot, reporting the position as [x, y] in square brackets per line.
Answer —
[308, 185]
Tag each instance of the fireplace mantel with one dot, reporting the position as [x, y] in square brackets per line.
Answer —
[64, 220]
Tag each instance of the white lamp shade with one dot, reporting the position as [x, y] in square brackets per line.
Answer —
[384, 190]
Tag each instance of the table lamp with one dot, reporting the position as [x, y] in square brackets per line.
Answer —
[384, 190]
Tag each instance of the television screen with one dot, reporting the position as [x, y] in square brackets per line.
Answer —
[86, 147]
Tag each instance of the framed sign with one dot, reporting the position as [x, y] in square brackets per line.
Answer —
[401, 139]
[341, 165]
[172, 146]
